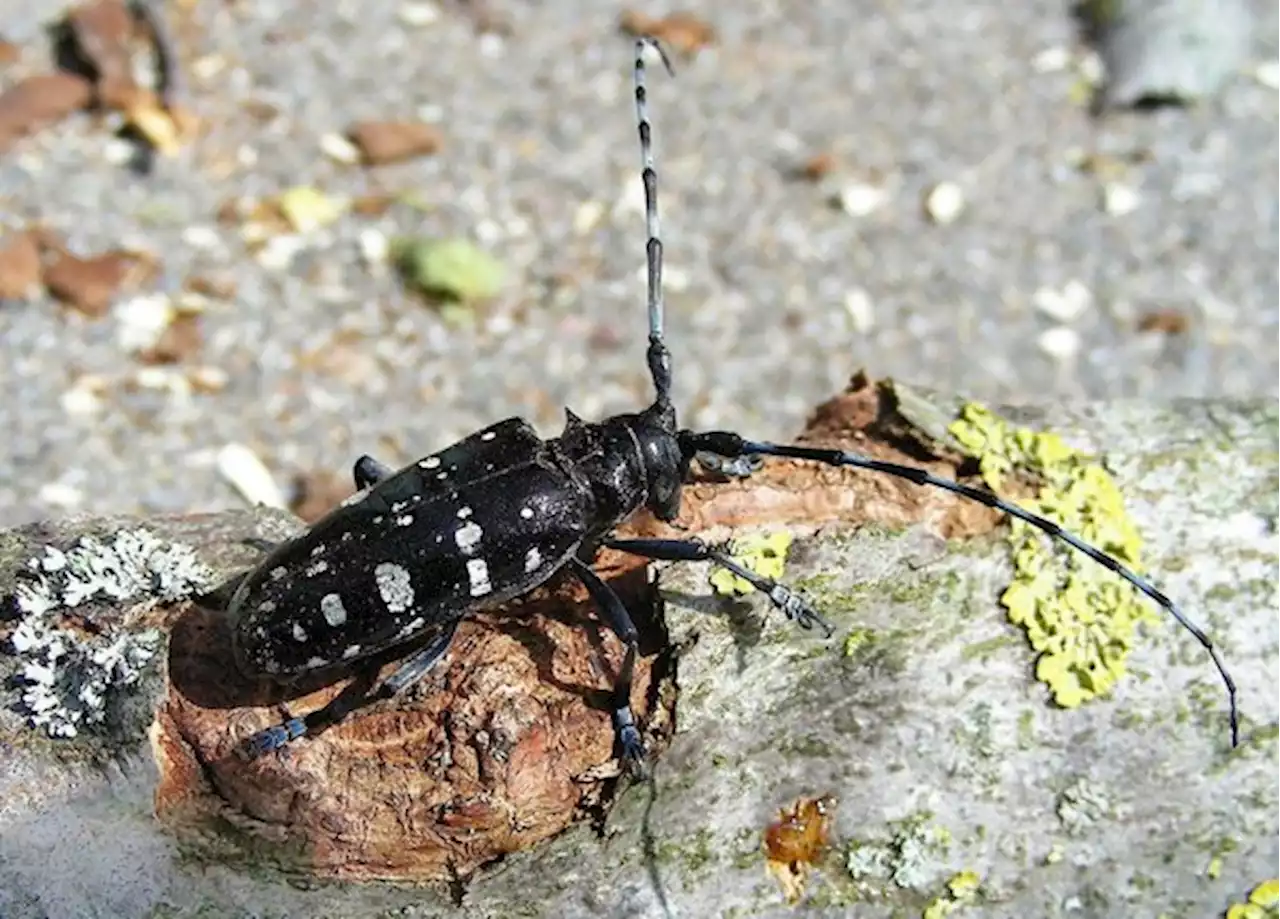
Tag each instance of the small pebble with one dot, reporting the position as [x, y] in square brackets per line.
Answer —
[944, 202]
[142, 320]
[860, 199]
[118, 151]
[374, 246]
[280, 251]
[416, 15]
[1065, 305]
[201, 237]
[857, 303]
[249, 476]
[339, 149]
[1268, 74]
[1119, 199]
[1051, 60]
[587, 217]
[57, 494]
[1060, 342]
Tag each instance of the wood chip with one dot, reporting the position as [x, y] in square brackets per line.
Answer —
[249, 476]
[19, 266]
[682, 31]
[38, 101]
[89, 285]
[381, 142]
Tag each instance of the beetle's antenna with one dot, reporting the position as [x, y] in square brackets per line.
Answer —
[728, 444]
[659, 357]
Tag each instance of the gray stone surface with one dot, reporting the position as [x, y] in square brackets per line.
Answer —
[1114, 809]
[539, 127]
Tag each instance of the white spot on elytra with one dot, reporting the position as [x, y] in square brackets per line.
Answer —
[350, 652]
[411, 627]
[488, 435]
[468, 537]
[334, 612]
[278, 572]
[317, 568]
[394, 586]
[431, 462]
[526, 513]
[317, 549]
[405, 521]
[267, 606]
[532, 559]
[299, 633]
[478, 572]
[442, 476]
[464, 513]
[316, 663]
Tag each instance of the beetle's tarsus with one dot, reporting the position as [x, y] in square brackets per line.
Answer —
[272, 738]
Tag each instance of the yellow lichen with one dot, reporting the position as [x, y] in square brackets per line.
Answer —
[962, 889]
[763, 553]
[1077, 615]
[1264, 903]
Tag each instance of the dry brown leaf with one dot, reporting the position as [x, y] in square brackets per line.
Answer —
[682, 31]
[19, 265]
[372, 205]
[818, 166]
[9, 52]
[35, 102]
[382, 142]
[1168, 321]
[180, 341]
[217, 288]
[89, 285]
[102, 31]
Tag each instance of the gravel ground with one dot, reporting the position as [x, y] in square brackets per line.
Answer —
[776, 296]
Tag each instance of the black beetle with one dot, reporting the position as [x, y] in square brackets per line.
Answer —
[498, 513]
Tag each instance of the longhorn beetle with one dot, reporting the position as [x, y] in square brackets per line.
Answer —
[495, 515]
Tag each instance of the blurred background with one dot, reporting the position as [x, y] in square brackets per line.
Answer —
[345, 227]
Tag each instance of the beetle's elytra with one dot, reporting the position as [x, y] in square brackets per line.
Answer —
[498, 513]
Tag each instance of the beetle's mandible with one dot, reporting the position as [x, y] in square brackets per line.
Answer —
[495, 515]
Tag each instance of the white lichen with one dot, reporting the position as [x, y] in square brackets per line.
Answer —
[70, 673]
[1082, 804]
[911, 858]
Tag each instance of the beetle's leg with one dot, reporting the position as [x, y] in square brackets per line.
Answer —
[368, 471]
[783, 597]
[354, 696]
[616, 615]
[417, 666]
[732, 446]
